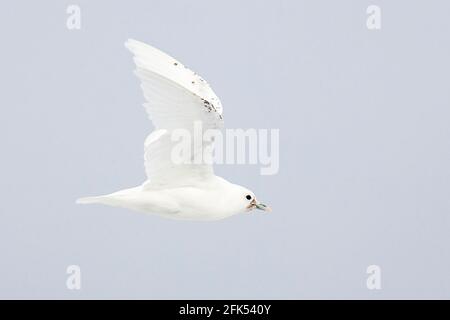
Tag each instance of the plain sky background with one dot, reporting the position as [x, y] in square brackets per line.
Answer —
[364, 149]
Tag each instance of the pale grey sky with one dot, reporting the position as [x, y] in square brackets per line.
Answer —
[364, 149]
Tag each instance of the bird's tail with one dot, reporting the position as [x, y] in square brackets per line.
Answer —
[112, 199]
[87, 200]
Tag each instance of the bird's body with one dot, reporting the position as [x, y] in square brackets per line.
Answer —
[176, 99]
[206, 200]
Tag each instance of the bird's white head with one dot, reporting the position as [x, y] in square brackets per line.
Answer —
[246, 201]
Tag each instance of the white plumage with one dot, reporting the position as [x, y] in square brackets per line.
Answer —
[177, 98]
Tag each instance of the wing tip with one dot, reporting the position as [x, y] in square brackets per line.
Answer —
[135, 45]
[130, 44]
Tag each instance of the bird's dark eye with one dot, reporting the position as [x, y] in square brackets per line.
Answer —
[248, 197]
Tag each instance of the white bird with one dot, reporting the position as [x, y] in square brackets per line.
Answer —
[176, 98]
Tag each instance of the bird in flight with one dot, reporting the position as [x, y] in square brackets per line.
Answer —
[176, 98]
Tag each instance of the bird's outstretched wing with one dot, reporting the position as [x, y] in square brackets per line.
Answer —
[176, 99]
